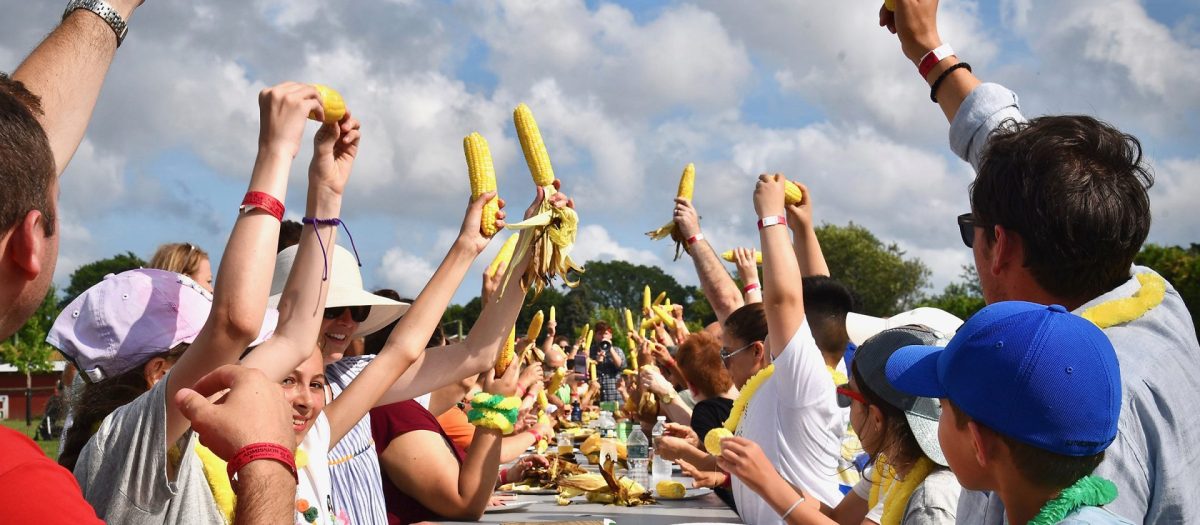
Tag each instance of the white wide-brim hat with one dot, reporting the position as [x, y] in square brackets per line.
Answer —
[345, 289]
[861, 327]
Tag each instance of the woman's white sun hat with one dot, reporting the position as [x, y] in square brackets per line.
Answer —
[345, 289]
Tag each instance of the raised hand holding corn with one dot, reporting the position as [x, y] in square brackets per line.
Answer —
[687, 186]
[483, 179]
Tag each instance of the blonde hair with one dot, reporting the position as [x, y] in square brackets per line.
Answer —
[178, 257]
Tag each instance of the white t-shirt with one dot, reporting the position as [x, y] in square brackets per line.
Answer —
[315, 490]
[933, 502]
[794, 417]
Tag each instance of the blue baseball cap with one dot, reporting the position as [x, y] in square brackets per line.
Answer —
[1037, 374]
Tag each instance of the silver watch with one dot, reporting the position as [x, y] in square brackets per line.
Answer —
[105, 12]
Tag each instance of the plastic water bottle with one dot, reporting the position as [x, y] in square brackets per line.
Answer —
[576, 412]
[638, 448]
[661, 468]
[607, 425]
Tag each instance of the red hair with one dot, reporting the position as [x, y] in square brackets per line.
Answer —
[699, 358]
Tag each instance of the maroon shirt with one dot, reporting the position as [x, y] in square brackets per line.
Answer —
[390, 422]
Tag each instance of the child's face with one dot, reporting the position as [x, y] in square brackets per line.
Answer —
[958, 446]
[304, 389]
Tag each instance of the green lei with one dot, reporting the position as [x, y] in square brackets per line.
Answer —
[1088, 491]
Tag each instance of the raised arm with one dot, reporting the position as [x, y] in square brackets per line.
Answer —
[302, 302]
[783, 297]
[804, 236]
[433, 370]
[747, 267]
[67, 70]
[240, 298]
[718, 287]
[412, 332]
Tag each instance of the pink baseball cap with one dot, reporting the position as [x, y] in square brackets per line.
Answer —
[124, 320]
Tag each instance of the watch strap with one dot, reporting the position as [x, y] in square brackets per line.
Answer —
[105, 12]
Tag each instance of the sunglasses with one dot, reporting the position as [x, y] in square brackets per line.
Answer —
[845, 395]
[726, 354]
[357, 313]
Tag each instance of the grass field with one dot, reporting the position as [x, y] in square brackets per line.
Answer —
[49, 447]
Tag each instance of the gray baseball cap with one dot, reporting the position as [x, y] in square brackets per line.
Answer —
[922, 413]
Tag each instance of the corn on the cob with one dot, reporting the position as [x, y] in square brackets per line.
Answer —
[531, 143]
[668, 489]
[629, 321]
[504, 255]
[729, 256]
[552, 313]
[642, 330]
[549, 245]
[712, 441]
[483, 179]
[665, 315]
[662, 296]
[648, 323]
[507, 354]
[667, 303]
[687, 187]
[587, 340]
[592, 370]
[556, 380]
[633, 358]
[331, 102]
[535, 327]
[792, 194]
[890, 5]
[646, 300]
[687, 182]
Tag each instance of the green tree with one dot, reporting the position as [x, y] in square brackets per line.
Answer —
[618, 284]
[962, 298]
[91, 273]
[885, 281]
[1181, 267]
[27, 349]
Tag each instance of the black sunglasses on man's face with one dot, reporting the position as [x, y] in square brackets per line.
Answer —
[966, 228]
[357, 313]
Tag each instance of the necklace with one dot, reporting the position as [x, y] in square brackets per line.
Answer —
[1089, 491]
[744, 397]
[1126, 309]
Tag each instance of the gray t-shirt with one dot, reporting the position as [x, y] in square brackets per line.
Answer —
[123, 469]
[1154, 459]
[933, 502]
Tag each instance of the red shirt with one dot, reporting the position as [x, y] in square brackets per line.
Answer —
[389, 422]
[34, 489]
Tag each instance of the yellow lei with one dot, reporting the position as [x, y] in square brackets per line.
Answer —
[1126, 309]
[896, 495]
[744, 397]
[218, 479]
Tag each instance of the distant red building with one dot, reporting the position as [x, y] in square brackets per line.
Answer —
[12, 385]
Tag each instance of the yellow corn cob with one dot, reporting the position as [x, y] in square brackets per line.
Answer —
[667, 303]
[535, 327]
[728, 256]
[792, 194]
[592, 369]
[587, 341]
[662, 296]
[633, 359]
[483, 179]
[665, 315]
[556, 380]
[668, 489]
[542, 401]
[551, 313]
[646, 300]
[629, 321]
[331, 102]
[642, 330]
[504, 255]
[648, 323]
[890, 5]
[531, 143]
[712, 441]
[687, 182]
[507, 354]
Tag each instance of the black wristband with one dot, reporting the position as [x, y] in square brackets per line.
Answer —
[938, 83]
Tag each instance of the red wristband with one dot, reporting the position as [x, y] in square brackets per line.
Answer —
[933, 57]
[257, 451]
[536, 437]
[771, 220]
[750, 287]
[728, 481]
[264, 201]
[695, 238]
[504, 477]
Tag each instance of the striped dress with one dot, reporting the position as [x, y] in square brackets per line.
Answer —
[353, 463]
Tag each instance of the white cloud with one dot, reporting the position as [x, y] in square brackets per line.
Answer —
[1173, 202]
[404, 272]
[594, 243]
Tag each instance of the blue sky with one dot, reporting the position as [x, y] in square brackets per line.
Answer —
[626, 93]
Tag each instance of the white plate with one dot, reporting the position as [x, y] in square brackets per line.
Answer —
[529, 491]
[689, 494]
[509, 506]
